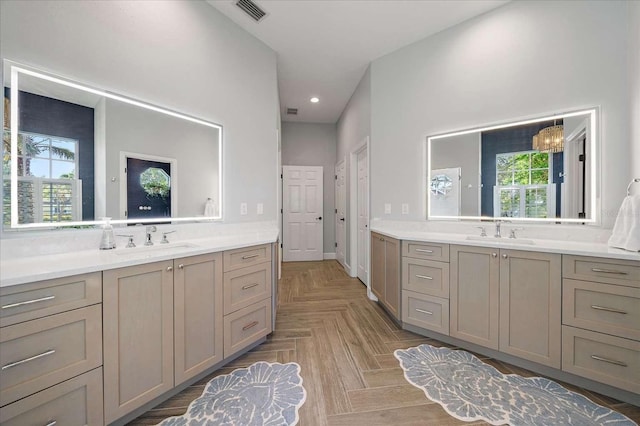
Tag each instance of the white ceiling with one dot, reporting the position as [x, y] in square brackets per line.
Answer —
[324, 46]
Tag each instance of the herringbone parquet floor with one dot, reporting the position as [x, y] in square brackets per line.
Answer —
[344, 344]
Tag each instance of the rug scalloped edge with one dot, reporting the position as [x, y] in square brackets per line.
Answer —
[297, 407]
[476, 418]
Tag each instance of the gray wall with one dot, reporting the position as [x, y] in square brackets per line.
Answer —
[634, 90]
[311, 144]
[353, 126]
[183, 55]
[461, 151]
[488, 70]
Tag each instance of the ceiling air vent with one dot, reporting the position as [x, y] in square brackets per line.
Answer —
[292, 111]
[251, 9]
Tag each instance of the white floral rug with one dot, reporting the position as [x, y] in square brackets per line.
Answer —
[469, 390]
[264, 393]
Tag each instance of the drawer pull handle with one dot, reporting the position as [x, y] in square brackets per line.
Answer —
[250, 325]
[424, 251]
[609, 271]
[604, 308]
[609, 360]
[181, 266]
[250, 256]
[52, 423]
[422, 311]
[28, 302]
[33, 358]
[424, 277]
[248, 286]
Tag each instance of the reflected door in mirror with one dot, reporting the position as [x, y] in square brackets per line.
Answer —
[148, 189]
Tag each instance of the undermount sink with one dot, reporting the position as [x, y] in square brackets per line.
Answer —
[500, 240]
[153, 250]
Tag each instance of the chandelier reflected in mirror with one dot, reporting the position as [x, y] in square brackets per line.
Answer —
[549, 139]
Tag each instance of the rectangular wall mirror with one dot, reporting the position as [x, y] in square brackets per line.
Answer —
[73, 154]
[541, 170]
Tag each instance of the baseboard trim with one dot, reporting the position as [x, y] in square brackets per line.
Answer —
[329, 256]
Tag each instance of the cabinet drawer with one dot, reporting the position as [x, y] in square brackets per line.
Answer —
[36, 300]
[239, 258]
[424, 311]
[246, 325]
[432, 251]
[43, 352]
[601, 357]
[246, 286]
[76, 402]
[610, 309]
[611, 271]
[425, 276]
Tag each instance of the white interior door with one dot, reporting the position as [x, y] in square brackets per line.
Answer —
[444, 192]
[363, 216]
[302, 213]
[341, 213]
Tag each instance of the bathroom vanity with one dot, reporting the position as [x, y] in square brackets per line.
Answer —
[567, 310]
[102, 346]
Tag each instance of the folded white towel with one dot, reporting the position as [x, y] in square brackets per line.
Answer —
[626, 231]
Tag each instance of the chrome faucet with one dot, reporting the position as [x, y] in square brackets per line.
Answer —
[497, 234]
[150, 229]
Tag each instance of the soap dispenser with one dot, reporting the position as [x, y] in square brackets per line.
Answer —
[209, 208]
[108, 240]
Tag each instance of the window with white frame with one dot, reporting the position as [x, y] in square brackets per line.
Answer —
[523, 185]
[48, 186]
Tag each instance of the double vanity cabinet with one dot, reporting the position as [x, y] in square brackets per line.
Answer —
[563, 315]
[94, 348]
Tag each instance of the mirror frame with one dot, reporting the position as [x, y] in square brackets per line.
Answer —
[593, 113]
[16, 68]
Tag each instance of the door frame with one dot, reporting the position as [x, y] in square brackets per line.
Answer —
[343, 162]
[353, 210]
[173, 166]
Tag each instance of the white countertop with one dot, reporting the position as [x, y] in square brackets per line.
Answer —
[15, 271]
[580, 248]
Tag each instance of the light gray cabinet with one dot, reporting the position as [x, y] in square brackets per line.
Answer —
[51, 352]
[247, 297]
[474, 295]
[425, 285]
[138, 336]
[198, 313]
[509, 300]
[601, 320]
[385, 272]
[530, 306]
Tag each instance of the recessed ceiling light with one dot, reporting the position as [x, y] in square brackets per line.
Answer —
[314, 100]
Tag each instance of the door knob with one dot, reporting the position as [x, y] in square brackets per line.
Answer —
[504, 256]
[320, 218]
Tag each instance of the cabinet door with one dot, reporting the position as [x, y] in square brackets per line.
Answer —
[198, 314]
[377, 265]
[392, 276]
[530, 306]
[474, 295]
[138, 336]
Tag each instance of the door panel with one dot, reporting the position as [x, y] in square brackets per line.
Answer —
[302, 213]
[341, 214]
[363, 216]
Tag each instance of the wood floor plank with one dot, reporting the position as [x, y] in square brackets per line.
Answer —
[416, 415]
[384, 377]
[402, 395]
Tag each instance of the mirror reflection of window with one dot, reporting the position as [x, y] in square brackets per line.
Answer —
[523, 187]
